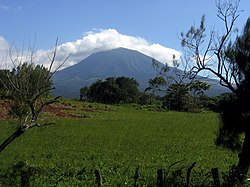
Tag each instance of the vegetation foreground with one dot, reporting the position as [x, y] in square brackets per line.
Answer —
[120, 143]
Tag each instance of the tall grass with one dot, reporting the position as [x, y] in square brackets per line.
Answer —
[115, 142]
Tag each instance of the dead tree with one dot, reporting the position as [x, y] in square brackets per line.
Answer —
[27, 87]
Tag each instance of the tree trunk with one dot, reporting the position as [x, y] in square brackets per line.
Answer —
[244, 158]
[11, 138]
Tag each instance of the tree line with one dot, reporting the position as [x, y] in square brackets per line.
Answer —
[177, 96]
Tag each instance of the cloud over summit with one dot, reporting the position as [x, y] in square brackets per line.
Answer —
[101, 40]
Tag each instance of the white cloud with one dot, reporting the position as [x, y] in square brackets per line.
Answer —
[101, 40]
[4, 49]
[8, 8]
[4, 45]
[4, 7]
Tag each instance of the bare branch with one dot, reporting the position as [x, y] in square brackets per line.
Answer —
[28, 86]
[194, 40]
[39, 110]
[39, 125]
[53, 55]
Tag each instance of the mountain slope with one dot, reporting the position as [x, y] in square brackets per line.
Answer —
[116, 62]
[111, 63]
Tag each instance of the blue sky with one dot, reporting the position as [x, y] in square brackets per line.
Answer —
[156, 22]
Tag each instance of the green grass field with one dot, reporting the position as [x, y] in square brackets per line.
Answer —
[114, 141]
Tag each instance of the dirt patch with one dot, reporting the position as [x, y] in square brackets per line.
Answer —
[62, 111]
[67, 111]
[4, 109]
[59, 109]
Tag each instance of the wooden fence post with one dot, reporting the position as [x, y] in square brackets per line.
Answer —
[189, 173]
[98, 178]
[215, 174]
[136, 177]
[25, 178]
[160, 178]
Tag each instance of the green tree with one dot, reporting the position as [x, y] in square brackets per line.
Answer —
[84, 93]
[3, 81]
[128, 91]
[197, 88]
[103, 91]
[236, 112]
[177, 85]
[112, 90]
[94, 90]
[158, 83]
[228, 61]
[177, 97]
[27, 88]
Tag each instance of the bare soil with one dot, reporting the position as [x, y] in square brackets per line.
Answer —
[62, 111]
[4, 109]
[59, 110]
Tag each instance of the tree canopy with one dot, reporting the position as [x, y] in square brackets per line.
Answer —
[112, 90]
[180, 91]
